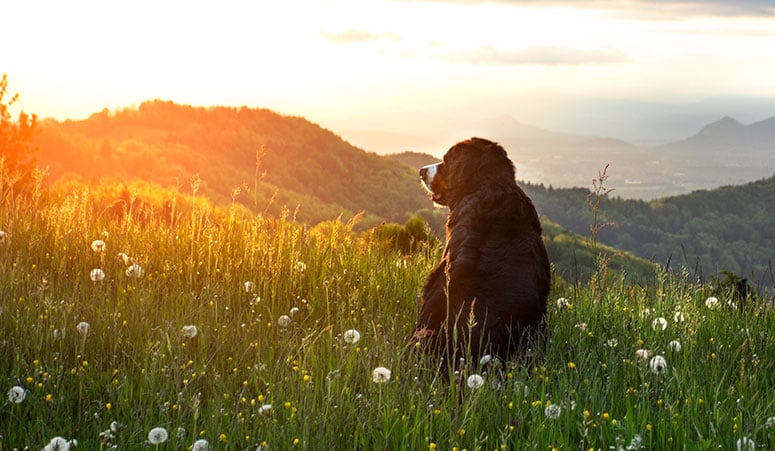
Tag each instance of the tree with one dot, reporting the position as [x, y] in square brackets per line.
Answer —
[16, 151]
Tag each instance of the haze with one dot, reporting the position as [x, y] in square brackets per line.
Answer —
[396, 75]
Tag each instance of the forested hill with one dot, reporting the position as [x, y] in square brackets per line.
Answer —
[300, 165]
[726, 229]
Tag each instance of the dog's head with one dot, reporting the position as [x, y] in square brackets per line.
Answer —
[468, 166]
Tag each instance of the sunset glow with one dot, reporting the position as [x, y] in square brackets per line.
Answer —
[347, 64]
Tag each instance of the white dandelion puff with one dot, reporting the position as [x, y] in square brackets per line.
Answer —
[474, 381]
[284, 321]
[658, 364]
[770, 423]
[157, 436]
[134, 270]
[83, 328]
[563, 303]
[16, 394]
[249, 286]
[181, 433]
[301, 266]
[659, 323]
[487, 358]
[189, 331]
[98, 246]
[123, 258]
[679, 317]
[59, 444]
[675, 346]
[553, 411]
[745, 444]
[380, 375]
[351, 336]
[612, 342]
[200, 445]
[711, 302]
[643, 354]
[645, 313]
[266, 408]
[97, 275]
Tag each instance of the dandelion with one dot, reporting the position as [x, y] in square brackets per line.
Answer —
[97, 275]
[645, 313]
[745, 444]
[474, 381]
[351, 336]
[659, 323]
[612, 342]
[284, 321]
[266, 408]
[711, 302]
[301, 266]
[83, 328]
[134, 270]
[553, 411]
[98, 246]
[679, 317]
[181, 433]
[249, 286]
[658, 364]
[200, 445]
[675, 346]
[380, 375]
[189, 331]
[16, 394]
[487, 358]
[643, 354]
[59, 444]
[123, 258]
[563, 303]
[770, 423]
[582, 327]
[635, 443]
[157, 436]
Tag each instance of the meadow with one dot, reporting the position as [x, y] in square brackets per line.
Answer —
[227, 331]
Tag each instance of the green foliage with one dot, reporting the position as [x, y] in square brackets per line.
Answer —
[705, 232]
[272, 300]
[16, 151]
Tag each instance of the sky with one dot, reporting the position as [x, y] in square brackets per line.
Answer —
[402, 67]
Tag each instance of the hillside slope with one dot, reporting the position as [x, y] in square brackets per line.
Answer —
[271, 159]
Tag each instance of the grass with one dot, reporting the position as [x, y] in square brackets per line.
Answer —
[269, 365]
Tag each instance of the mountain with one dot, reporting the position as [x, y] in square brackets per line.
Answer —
[271, 161]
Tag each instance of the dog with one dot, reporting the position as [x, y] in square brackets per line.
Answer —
[488, 294]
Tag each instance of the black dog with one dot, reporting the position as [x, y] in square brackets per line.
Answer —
[488, 293]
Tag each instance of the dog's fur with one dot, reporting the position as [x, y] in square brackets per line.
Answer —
[488, 293]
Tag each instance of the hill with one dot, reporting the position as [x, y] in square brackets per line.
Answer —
[265, 160]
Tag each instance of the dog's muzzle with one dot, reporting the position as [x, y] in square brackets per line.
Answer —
[427, 173]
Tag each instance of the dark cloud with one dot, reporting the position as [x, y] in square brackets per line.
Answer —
[650, 8]
[547, 56]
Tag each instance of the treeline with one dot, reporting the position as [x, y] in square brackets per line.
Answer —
[706, 232]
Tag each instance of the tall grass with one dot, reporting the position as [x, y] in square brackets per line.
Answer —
[270, 367]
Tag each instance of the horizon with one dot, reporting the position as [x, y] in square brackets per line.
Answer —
[395, 75]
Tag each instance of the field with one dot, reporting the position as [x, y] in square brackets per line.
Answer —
[236, 333]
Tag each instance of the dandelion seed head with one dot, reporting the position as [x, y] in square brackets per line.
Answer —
[58, 444]
[157, 436]
[97, 275]
[351, 336]
[380, 375]
[16, 394]
[612, 342]
[675, 346]
[552, 411]
[83, 328]
[123, 258]
[474, 381]
[301, 266]
[679, 317]
[98, 246]
[643, 354]
[189, 331]
[266, 408]
[134, 270]
[200, 445]
[711, 302]
[487, 358]
[284, 321]
[563, 303]
[658, 364]
[249, 286]
[745, 444]
[659, 323]
[770, 423]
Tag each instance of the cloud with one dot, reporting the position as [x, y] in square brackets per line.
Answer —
[356, 36]
[547, 56]
[649, 8]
